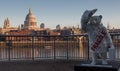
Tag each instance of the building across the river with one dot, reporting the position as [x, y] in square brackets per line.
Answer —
[30, 27]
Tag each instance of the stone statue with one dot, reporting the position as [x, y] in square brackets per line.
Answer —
[99, 38]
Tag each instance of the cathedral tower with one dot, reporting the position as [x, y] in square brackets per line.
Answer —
[6, 23]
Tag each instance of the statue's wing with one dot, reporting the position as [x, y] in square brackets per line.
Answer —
[85, 18]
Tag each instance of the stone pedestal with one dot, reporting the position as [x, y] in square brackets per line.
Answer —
[88, 67]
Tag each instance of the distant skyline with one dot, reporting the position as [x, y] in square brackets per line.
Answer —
[64, 12]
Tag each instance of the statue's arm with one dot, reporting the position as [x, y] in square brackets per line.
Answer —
[84, 21]
[108, 39]
[85, 18]
[110, 46]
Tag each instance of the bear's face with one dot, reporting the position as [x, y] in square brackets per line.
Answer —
[95, 20]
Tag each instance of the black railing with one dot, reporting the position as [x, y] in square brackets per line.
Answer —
[31, 47]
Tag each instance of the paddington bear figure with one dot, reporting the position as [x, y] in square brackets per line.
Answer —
[99, 38]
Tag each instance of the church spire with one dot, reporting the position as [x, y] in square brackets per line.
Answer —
[6, 23]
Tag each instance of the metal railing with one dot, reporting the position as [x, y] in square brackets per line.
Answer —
[31, 47]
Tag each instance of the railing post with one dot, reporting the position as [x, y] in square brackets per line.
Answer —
[79, 47]
[88, 49]
[32, 48]
[9, 43]
[67, 47]
[54, 49]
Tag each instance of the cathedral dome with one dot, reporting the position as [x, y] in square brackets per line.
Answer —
[30, 17]
[30, 21]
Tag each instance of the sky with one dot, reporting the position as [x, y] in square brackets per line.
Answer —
[63, 12]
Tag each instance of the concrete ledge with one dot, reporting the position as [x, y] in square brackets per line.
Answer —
[95, 68]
